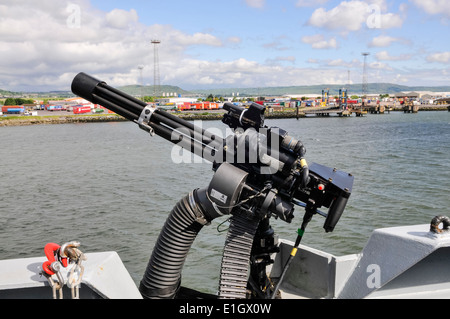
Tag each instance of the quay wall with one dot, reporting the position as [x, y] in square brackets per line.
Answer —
[189, 116]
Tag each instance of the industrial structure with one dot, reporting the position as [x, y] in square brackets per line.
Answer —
[141, 67]
[156, 78]
[365, 84]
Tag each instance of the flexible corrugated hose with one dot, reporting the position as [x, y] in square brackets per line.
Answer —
[162, 277]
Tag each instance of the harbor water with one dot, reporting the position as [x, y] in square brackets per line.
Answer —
[111, 186]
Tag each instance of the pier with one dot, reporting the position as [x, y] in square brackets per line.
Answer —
[324, 111]
[359, 110]
[378, 109]
[341, 112]
[410, 108]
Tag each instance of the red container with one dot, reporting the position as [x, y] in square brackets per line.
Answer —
[184, 106]
[5, 108]
[81, 109]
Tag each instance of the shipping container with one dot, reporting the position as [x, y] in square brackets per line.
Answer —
[52, 108]
[197, 106]
[184, 106]
[13, 109]
[210, 106]
[81, 109]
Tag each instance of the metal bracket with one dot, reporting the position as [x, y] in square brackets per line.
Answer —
[267, 201]
[242, 115]
[144, 119]
[198, 215]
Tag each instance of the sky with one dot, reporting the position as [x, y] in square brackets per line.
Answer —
[223, 44]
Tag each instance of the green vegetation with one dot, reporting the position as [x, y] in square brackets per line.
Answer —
[14, 117]
[212, 98]
[15, 120]
[7, 93]
[18, 101]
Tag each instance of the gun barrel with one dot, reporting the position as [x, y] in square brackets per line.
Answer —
[98, 92]
[164, 124]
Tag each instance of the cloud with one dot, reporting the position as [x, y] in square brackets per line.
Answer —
[337, 63]
[85, 39]
[380, 66]
[121, 19]
[309, 3]
[277, 44]
[255, 3]
[441, 57]
[353, 15]
[341, 63]
[280, 59]
[44, 44]
[318, 41]
[385, 56]
[199, 39]
[235, 40]
[382, 41]
[246, 73]
[438, 7]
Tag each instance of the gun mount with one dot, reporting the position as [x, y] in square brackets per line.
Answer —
[260, 172]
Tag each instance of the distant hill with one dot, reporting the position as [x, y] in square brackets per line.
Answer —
[373, 88]
[137, 90]
[7, 93]
[134, 90]
[353, 89]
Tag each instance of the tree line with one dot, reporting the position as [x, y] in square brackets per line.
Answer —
[18, 101]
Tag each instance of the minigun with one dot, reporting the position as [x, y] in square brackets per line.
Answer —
[259, 172]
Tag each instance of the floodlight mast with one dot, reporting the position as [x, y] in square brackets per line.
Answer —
[156, 77]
